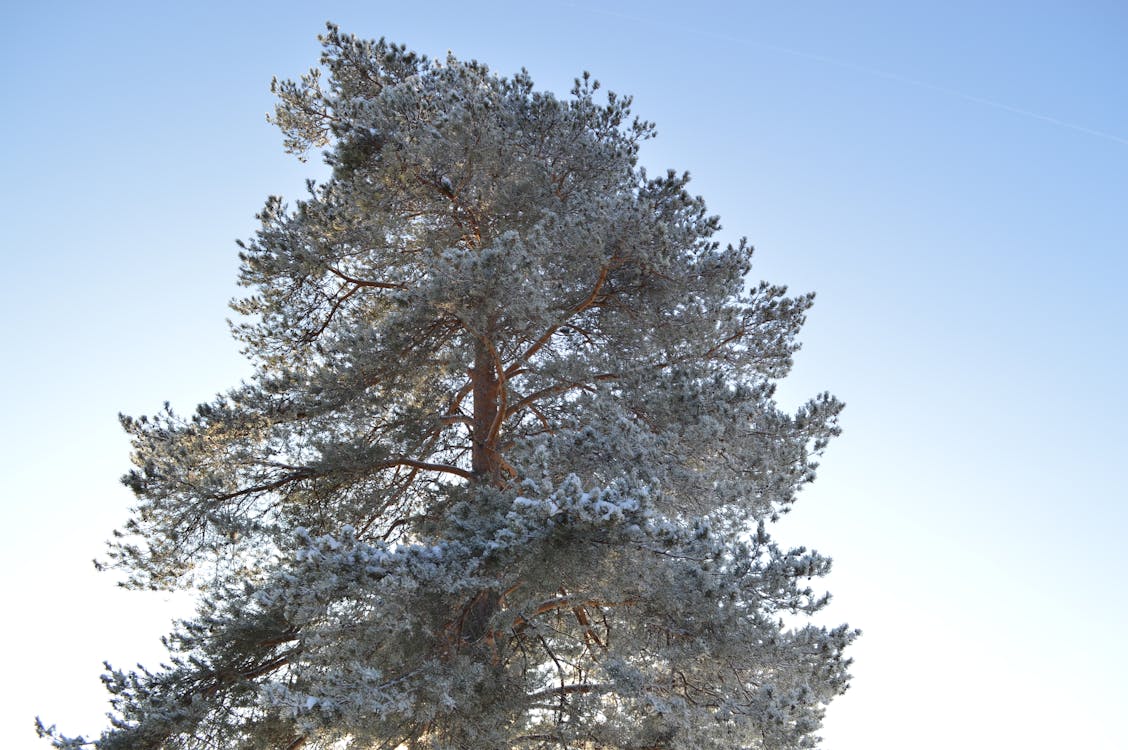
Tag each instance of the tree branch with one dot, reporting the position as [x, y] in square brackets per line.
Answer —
[558, 389]
[364, 282]
[567, 690]
[337, 302]
[574, 310]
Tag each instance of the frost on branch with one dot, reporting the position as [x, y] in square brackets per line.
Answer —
[505, 472]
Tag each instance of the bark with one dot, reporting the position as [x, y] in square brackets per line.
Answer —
[486, 464]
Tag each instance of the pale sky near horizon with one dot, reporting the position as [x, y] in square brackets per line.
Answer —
[950, 178]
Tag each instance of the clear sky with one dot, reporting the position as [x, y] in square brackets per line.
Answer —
[950, 178]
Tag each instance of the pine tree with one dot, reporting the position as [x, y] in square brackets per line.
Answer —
[504, 473]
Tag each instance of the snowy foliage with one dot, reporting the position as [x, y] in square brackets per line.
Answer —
[504, 475]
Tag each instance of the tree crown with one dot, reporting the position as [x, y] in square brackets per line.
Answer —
[503, 474]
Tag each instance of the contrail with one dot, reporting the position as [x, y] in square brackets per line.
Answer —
[875, 72]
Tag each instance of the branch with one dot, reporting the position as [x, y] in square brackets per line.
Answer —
[227, 677]
[337, 302]
[574, 310]
[567, 690]
[454, 408]
[737, 336]
[311, 474]
[269, 486]
[585, 623]
[502, 390]
[364, 282]
[387, 504]
[558, 389]
[425, 466]
[566, 602]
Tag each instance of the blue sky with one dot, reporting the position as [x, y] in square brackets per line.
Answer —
[950, 178]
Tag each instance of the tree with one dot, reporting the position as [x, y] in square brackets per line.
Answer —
[504, 473]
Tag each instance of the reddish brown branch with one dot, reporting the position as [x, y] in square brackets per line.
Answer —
[572, 311]
[425, 466]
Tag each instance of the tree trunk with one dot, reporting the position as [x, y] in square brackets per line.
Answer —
[485, 461]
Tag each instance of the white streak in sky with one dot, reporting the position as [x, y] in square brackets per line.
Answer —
[872, 72]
